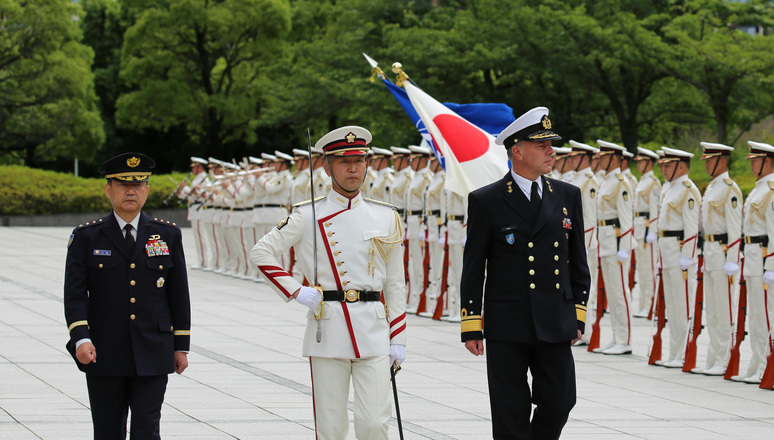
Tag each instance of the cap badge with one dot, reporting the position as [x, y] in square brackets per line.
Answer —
[546, 122]
[350, 137]
[133, 161]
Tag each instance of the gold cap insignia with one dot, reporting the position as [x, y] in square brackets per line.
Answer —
[546, 122]
[350, 137]
[133, 161]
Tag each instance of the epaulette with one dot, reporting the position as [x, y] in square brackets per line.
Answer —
[589, 174]
[619, 176]
[728, 181]
[379, 202]
[163, 222]
[687, 183]
[91, 223]
[306, 202]
[771, 184]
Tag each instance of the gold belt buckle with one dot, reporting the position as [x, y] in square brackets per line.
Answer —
[352, 295]
[709, 237]
[747, 240]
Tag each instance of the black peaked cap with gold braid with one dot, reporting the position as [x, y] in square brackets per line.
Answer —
[128, 167]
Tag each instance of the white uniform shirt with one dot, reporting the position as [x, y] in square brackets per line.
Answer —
[759, 221]
[679, 212]
[615, 202]
[585, 180]
[721, 213]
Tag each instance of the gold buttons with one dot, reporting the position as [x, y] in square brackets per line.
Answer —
[330, 234]
[100, 265]
[530, 244]
[342, 273]
[132, 266]
[532, 285]
[131, 316]
[133, 300]
[334, 243]
[345, 282]
[556, 244]
[339, 263]
[532, 271]
[531, 258]
[161, 266]
[557, 286]
[171, 328]
[556, 272]
[327, 224]
[556, 257]
[336, 252]
[132, 283]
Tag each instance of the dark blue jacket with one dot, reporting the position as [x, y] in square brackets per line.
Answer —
[134, 308]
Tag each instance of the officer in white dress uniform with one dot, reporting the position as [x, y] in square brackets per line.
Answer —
[580, 161]
[721, 226]
[678, 229]
[614, 232]
[192, 194]
[646, 200]
[758, 230]
[380, 190]
[359, 256]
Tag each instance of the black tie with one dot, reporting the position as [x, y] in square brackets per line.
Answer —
[128, 238]
[534, 198]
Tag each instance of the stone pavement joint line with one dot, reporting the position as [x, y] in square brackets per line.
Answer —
[247, 380]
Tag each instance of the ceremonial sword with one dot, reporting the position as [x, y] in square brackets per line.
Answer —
[321, 306]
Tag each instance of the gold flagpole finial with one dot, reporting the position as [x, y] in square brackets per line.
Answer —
[376, 71]
[397, 68]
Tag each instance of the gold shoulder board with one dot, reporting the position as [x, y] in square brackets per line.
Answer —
[687, 183]
[379, 202]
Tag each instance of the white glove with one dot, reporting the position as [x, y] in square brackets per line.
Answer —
[464, 240]
[651, 237]
[730, 268]
[421, 235]
[768, 278]
[622, 255]
[442, 240]
[310, 297]
[397, 353]
[685, 263]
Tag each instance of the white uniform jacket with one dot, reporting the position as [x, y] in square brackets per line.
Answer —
[359, 246]
[614, 204]
[679, 212]
[646, 199]
[758, 222]
[381, 187]
[585, 180]
[721, 213]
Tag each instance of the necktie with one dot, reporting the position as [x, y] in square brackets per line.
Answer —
[534, 198]
[128, 238]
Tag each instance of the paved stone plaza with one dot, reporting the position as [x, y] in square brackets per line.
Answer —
[247, 380]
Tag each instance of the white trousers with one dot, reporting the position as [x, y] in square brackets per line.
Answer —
[717, 316]
[372, 396]
[645, 255]
[236, 254]
[435, 273]
[759, 307]
[416, 268]
[678, 301]
[617, 292]
[591, 315]
[209, 247]
[248, 242]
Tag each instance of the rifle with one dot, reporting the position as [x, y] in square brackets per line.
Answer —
[444, 279]
[733, 361]
[660, 320]
[594, 339]
[632, 266]
[767, 382]
[695, 328]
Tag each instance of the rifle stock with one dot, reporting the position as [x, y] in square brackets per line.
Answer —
[422, 307]
[733, 361]
[695, 330]
[594, 339]
[659, 310]
[444, 280]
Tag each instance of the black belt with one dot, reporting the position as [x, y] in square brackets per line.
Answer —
[722, 238]
[268, 205]
[455, 217]
[611, 222]
[645, 214]
[414, 212]
[678, 234]
[241, 209]
[435, 212]
[400, 211]
[762, 239]
[352, 295]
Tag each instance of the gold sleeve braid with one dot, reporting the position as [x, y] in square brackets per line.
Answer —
[385, 245]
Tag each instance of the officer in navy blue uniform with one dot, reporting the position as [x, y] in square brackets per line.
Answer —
[525, 238]
[127, 305]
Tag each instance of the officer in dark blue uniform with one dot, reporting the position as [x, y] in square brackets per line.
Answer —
[525, 238]
[127, 305]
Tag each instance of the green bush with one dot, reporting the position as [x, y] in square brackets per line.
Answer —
[29, 191]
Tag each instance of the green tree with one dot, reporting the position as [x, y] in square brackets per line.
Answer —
[47, 99]
[200, 65]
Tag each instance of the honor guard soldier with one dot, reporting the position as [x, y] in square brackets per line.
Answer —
[580, 161]
[436, 238]
[721, 226]
[192, 194]
[401, 161]
[416, 230]
[453, 210]
[525, 274]
[758, 230]
[646, 201]
[599, 172]
[217, 200]
[615, 245]
[678, 229]
[350, 248]
[301, 190]
[366, 189]
[380, 190]
[626, 171]
[127, 305]
[562, 169]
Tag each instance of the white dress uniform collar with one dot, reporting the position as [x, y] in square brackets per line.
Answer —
[344, 202]
[680, 180]
[764, 180]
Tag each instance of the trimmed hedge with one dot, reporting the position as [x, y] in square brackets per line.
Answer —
[29, 191]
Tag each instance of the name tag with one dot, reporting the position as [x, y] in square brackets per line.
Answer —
[102, 252]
